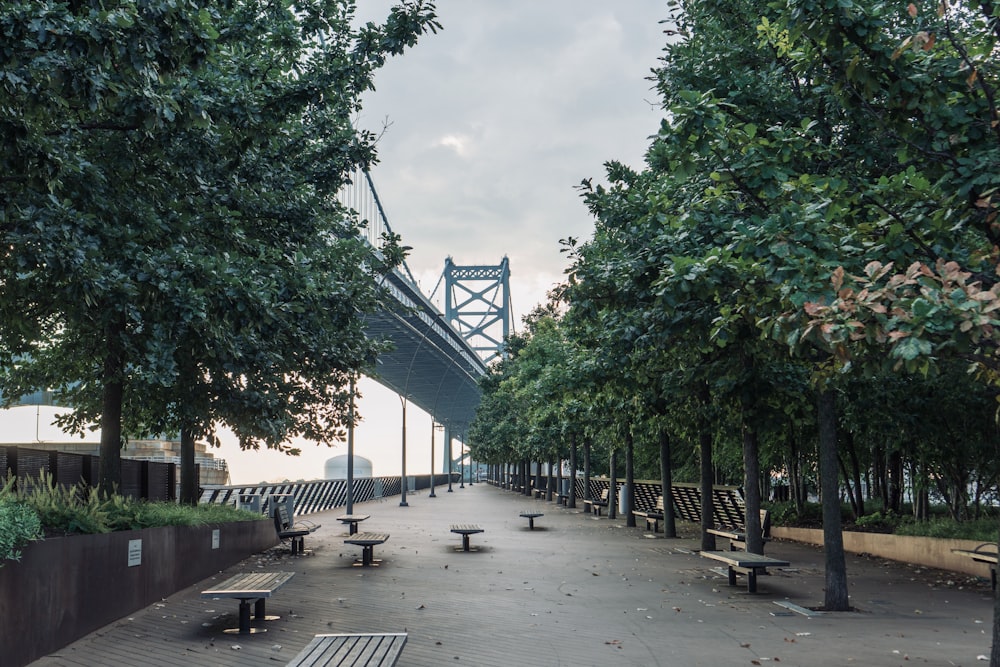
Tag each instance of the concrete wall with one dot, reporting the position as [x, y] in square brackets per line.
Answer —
[927, 551]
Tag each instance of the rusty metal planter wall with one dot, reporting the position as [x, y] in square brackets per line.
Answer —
[66, 587]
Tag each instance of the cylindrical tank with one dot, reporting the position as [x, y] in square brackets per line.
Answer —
[336, 468]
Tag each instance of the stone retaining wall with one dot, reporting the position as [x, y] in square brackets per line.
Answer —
[927, 551]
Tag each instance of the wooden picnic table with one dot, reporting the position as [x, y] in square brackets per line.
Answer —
[367, 542]
[257, 586]
[352, 520]
[465, 530]
[351, 649]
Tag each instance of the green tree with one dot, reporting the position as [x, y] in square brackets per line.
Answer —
[174, 256]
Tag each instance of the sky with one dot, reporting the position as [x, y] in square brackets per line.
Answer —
[486, 128]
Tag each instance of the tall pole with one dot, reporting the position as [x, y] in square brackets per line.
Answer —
[433, 428]
[447, 437]
[461, 465]
[350, 452]
[402, 486]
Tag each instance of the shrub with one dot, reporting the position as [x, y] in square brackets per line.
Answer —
[984, 530]
[19, 524]
[77, 509]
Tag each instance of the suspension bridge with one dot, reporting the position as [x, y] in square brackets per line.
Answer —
[437, 358]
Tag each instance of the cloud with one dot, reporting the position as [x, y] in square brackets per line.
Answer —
[498, 117]
[459, 144]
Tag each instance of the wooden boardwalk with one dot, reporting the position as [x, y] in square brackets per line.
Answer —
[579, 590]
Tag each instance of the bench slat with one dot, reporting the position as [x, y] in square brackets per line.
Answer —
[466, 528]
[363, 539]
[253, 584]
[744, 559]
[352, 649]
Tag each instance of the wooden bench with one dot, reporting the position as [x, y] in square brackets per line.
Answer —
[465, 530]
[737, 535]
[256, 586]
[594, 506]
[740, 562]
[287, 529]
[984, 553]
[652, 516]
[531, 516]
[367, 542]
[352, 520]
[351, 649]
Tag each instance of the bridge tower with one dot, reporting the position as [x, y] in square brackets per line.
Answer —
[477, 304]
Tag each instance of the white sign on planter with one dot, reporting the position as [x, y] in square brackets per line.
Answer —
[134, 553]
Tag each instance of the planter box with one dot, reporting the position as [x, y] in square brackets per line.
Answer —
[66, 587]
[927, 551]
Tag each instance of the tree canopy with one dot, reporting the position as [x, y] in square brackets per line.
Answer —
[741, 290]
[174, 253]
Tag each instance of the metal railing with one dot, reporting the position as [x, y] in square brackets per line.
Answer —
[318, 495]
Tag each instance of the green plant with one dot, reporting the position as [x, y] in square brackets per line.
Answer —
[19, 524]
[80, 509]
[63, 509]
[877, 522]
[984, 530]
[786, 514]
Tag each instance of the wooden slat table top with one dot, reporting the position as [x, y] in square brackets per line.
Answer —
[466, 528]
[353, 517]
[251, 584]
[352, 649]
[743, 559]
[532, 514]
[366, 539]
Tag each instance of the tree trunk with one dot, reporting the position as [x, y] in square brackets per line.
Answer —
[110, 469]
[881, 482]
[851, 492]
[629, 478]
[549, 482]
[189, 476]
[586, 470]
[571, 501]
[666, 485]
[613, 488]
[854, 474]
[559, 478]
[895, 481]
[751, 490]
[707, 475]
[836, 598]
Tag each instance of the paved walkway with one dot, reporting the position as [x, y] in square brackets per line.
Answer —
[577, 590]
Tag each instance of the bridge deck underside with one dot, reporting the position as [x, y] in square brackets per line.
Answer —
[426, 369]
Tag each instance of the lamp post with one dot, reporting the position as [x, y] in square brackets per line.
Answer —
[402, 490]
[461, 465]
[447, 437]
[434, 427]
[350, 452]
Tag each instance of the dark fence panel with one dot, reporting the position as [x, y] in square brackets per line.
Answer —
[151, 480]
